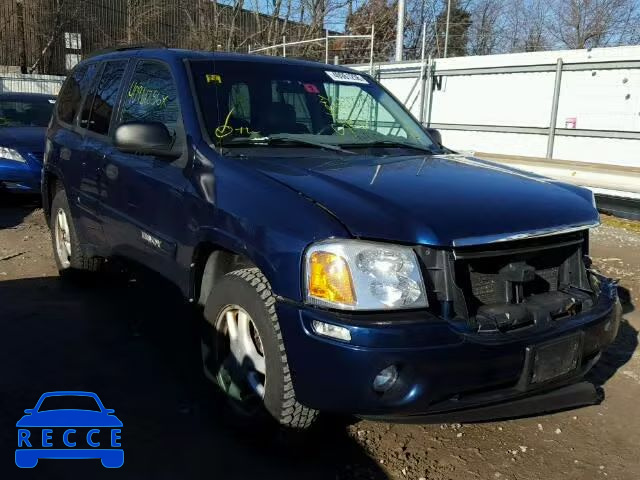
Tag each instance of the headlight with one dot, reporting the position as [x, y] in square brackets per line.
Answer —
[360, 275]
[11, 154]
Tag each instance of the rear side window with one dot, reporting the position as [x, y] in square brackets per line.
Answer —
[152, 96]
[106, 96]
[74, 89]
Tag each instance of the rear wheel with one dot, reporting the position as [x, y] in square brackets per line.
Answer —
[243, 352]
[67, 247]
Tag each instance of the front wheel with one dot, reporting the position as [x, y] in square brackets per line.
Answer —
[243, 352]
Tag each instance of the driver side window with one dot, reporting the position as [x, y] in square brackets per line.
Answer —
[152, 97]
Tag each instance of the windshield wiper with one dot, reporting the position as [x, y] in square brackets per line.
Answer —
[392, 143]
[283, 138]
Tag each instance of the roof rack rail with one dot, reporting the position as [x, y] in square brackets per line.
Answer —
[129, 46]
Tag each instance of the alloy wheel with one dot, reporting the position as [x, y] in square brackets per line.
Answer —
[62, 235]
[235, 360]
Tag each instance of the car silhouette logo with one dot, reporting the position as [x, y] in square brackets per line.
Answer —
[69, 425]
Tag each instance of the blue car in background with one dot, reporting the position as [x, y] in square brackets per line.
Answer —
[23, 121]
[67, 425]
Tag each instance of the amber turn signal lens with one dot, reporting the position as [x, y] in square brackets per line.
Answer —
[330, 278]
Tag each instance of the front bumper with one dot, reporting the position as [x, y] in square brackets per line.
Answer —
[444, 369]
[18, 177]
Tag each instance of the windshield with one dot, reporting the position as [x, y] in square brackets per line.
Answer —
[245, 102]
[26, 113]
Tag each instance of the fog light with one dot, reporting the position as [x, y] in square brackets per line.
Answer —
[385, 379]
[333, 331]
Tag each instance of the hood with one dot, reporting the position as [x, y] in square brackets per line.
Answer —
[30, 139]
[442, 200]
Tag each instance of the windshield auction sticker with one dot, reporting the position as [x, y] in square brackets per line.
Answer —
[346, 77]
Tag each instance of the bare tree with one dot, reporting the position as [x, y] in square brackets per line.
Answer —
[383, 15]
[421, 12]
[487, 27]
[592, 23]
[525, 26]
[54, 21]
[140, 15]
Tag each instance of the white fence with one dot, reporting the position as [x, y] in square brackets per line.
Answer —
[585, 107]
[16, 82]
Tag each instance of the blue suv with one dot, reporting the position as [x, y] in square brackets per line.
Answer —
[344, 260]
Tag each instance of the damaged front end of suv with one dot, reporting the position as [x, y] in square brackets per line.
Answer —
[511, 329]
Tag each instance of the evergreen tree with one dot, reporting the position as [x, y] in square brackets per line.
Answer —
[459, 23]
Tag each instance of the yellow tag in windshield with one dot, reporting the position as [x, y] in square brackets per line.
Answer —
[213, 78]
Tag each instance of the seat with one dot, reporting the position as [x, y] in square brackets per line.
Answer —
[280, 117]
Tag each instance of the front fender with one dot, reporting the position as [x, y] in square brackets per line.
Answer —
[254, 216]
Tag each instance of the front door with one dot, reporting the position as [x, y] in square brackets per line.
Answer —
[142, 197]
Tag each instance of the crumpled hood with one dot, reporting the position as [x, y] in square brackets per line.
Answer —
[444, 200]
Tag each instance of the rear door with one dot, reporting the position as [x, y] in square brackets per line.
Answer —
[142, 194]
[66, 151]
[94, 120]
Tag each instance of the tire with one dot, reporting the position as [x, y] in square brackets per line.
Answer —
[249, 290]
[70, 258]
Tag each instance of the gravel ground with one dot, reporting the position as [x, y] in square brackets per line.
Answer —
[127, 341]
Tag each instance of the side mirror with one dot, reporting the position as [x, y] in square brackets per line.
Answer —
[29, 411]
[109, 411]
[434, 134]
[145, 138]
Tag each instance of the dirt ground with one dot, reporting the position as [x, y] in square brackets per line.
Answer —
[127, 341]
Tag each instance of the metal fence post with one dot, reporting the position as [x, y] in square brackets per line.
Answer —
[371, 53]
[431, 67]
[554, 109]
[284, 46]
[326, 46]
[422, 68]
[400, 31]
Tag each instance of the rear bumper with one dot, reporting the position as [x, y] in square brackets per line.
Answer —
[17, 177]
[444, 369]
